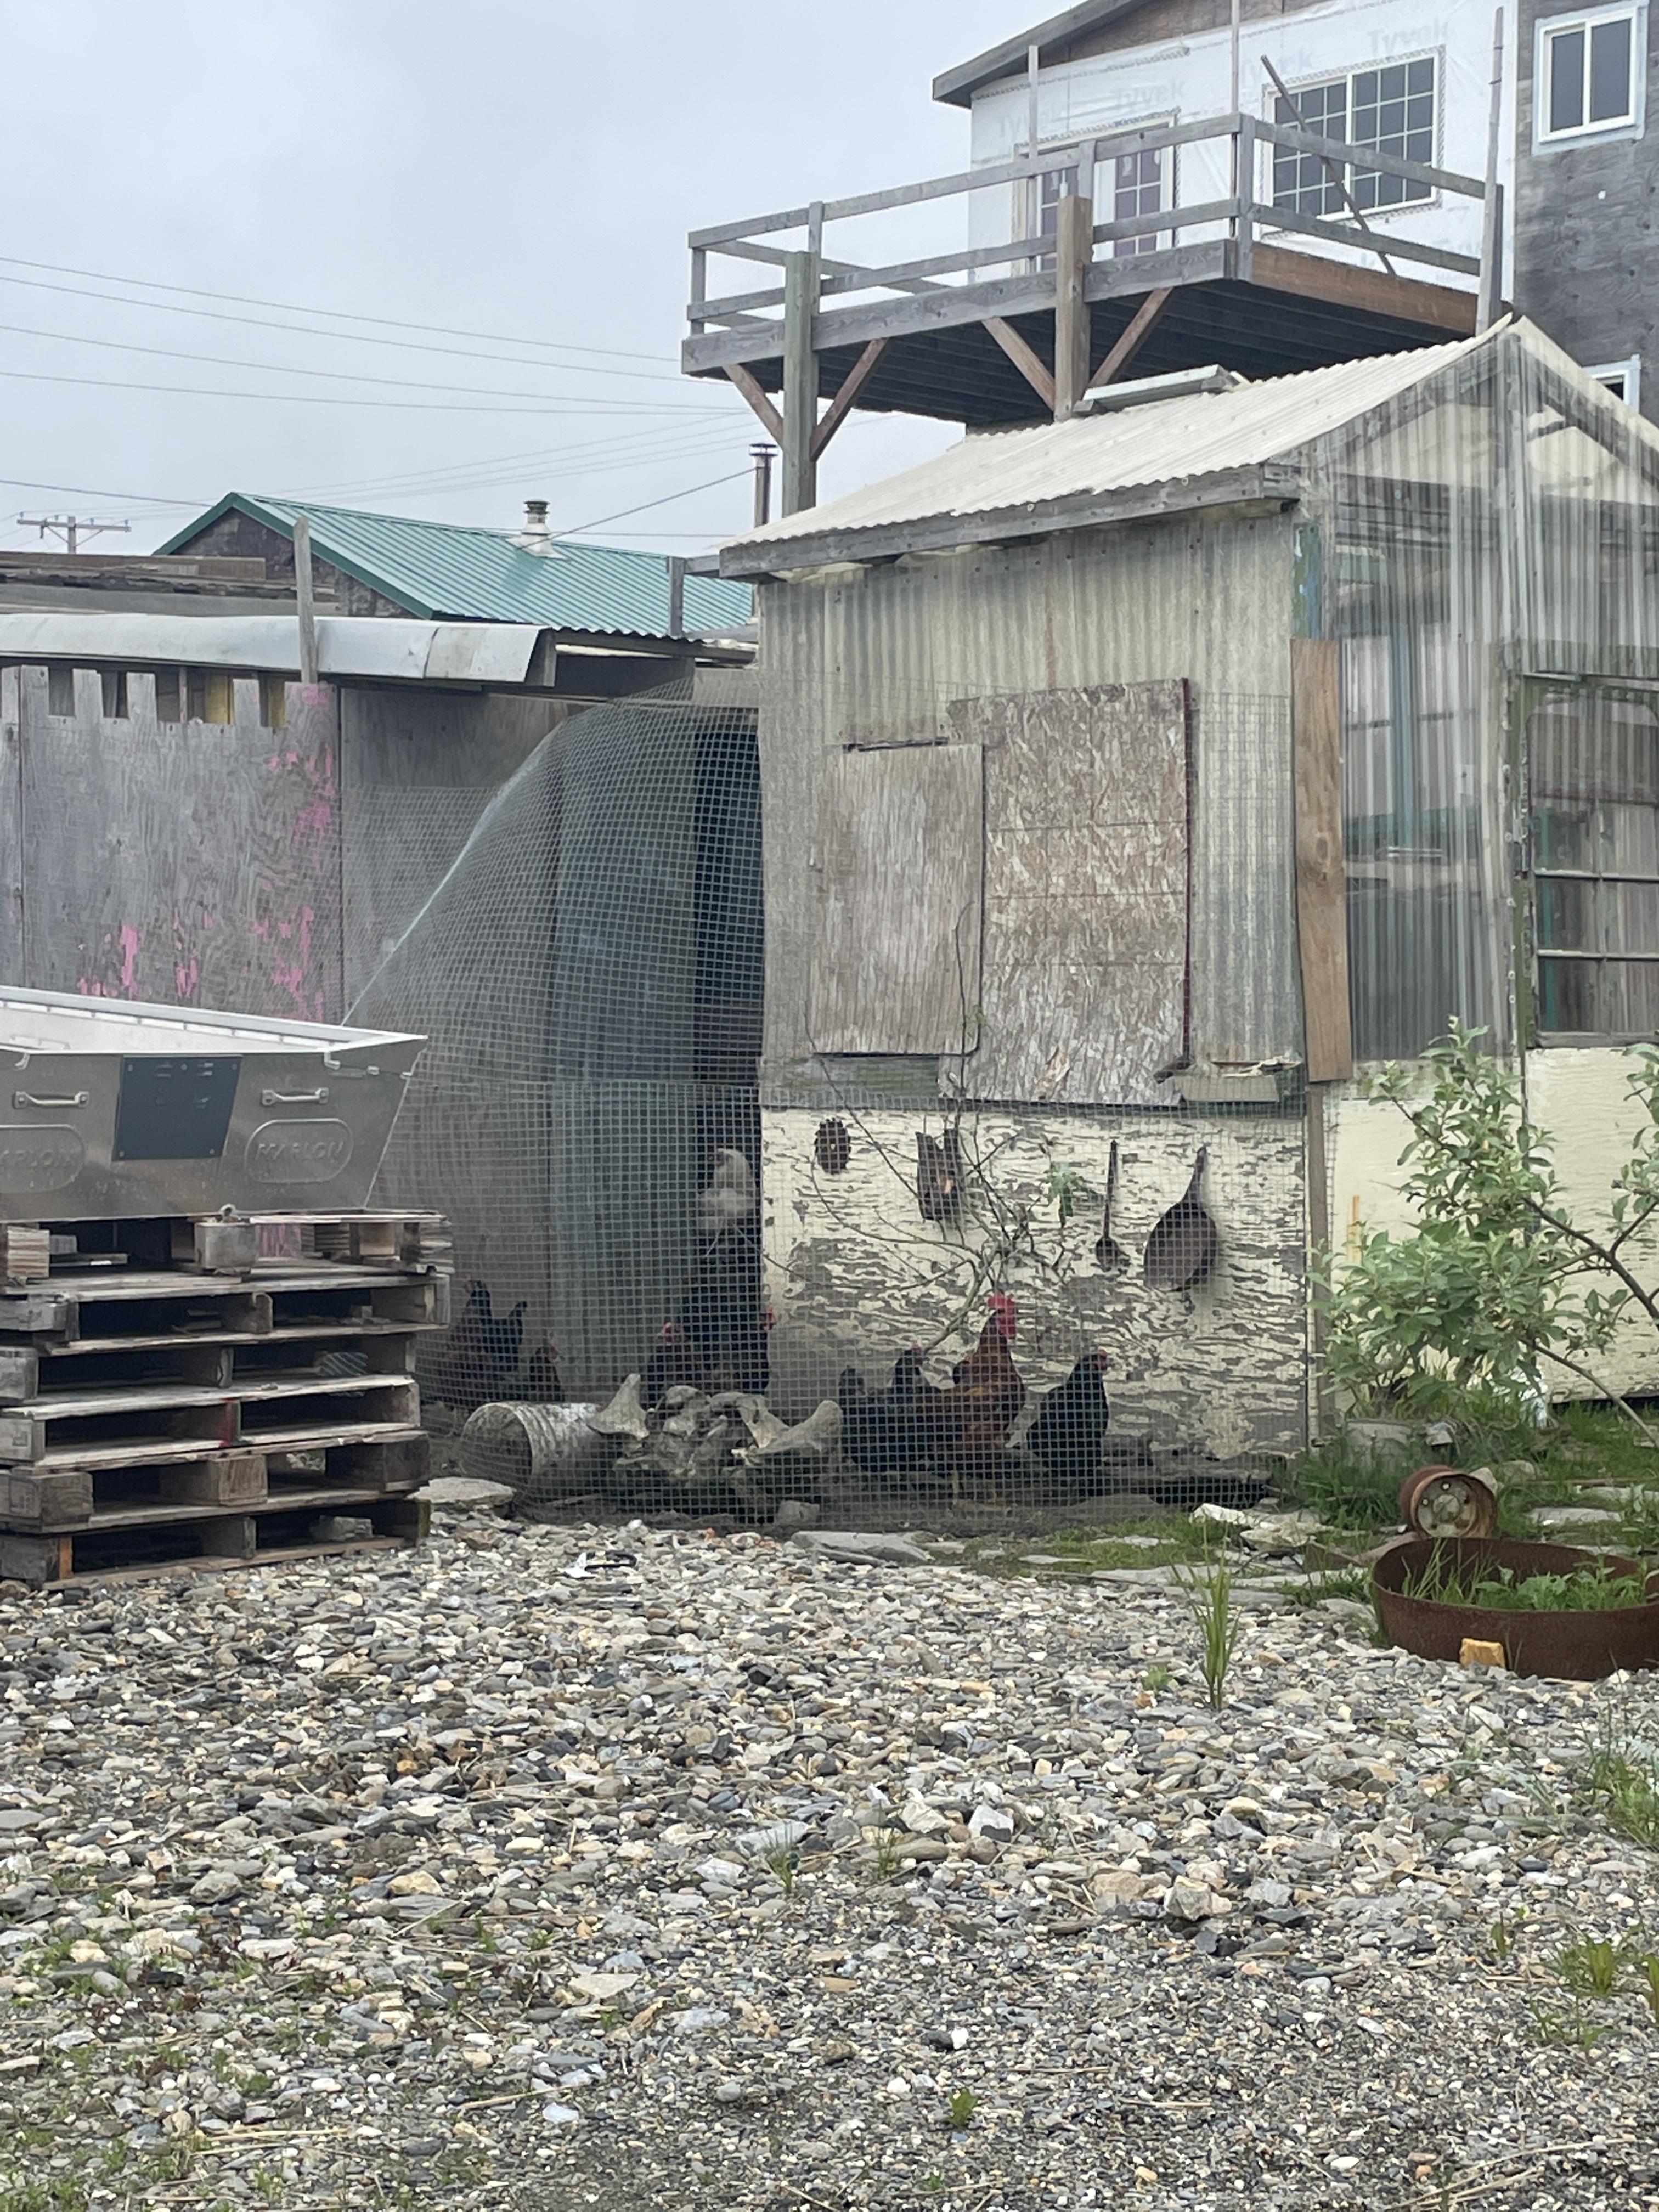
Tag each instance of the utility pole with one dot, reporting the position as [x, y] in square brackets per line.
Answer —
[763, 456]
[71, 528]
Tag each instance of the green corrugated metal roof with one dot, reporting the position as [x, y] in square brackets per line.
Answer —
[452, 571]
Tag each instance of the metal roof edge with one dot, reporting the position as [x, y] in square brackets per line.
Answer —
[1264, 480]
[955, 88]
[242, 502]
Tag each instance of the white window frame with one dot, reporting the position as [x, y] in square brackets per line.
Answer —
[1623, 379]
[1374, 215]
[1550, 27]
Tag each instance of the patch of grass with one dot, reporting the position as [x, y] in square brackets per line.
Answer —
[1157, 1678]
[1573, 2029]
[1622, 1785]
[1346, 1491]
[1589, 1966]
[1210, 1599]
[1348, 1583]
[1648, 1968]
[783, 1864]
[1592, 1590]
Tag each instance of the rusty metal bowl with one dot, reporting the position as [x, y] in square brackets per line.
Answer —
[1574, 1647]
[1449, 1501]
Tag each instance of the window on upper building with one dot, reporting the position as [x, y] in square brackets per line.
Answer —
[1622, 377]
[1393, 108]
[1587, 79]
[1137, 189]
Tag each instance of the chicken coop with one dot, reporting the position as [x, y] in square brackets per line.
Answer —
[1130, 784]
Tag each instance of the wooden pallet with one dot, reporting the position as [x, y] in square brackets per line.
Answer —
[144, 1305]
[389, 1462]
[127, 1537]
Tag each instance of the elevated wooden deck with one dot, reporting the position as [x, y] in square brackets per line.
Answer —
[996, 334]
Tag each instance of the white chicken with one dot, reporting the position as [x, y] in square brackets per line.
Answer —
[732, 1196]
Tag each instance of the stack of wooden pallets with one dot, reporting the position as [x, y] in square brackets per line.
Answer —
[223, 1404]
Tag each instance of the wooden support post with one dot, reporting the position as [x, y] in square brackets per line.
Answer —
[1023, 359]
[759, 398]
[305, 598]
[1141, 324]
[845, 400]
[1492, 213]
[1321, 895]
[801, 281]
[1074, 249]
[676, 595]
[1244, 245]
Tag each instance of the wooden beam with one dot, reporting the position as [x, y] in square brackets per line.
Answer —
[1315, 277]
[1322, 891]
[1074, 249]
[1141, 325]
[305, 598]
[759, 398]
[844, 401]
[1023, 359]
[802, 278]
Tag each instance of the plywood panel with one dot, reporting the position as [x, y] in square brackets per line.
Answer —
[195, 864]
[1087, 858]
[1321, 908]
[896, 951]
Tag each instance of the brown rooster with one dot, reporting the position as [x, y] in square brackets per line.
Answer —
[970, 1423]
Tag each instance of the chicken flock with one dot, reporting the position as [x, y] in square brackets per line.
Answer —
[708, 1371]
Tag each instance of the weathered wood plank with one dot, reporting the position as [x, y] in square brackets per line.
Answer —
[896, 949]
[1084, 980]
[1074, 250]
[847, 398]
[1141, 324]
[1322, 891]
[189, 863]
[1315, 277]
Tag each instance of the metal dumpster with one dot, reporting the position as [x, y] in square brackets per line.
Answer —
[112, 1110]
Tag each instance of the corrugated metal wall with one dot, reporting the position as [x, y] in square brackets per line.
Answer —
[873, 655]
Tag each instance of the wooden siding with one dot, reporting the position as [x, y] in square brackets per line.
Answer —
[854, 1274]
[1086, 860]
[896, 952]
[195, 864]
[879, 654]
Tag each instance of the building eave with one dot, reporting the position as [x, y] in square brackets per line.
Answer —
[1271, 483]
[955, 88]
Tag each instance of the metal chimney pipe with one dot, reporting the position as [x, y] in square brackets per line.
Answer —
[535, 518]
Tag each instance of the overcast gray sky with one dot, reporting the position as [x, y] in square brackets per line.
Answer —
[526, 171]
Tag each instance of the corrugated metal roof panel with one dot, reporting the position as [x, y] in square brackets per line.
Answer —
[1162, 442]
[470, 574]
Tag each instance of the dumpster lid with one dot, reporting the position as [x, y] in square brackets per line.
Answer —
[63, 1021]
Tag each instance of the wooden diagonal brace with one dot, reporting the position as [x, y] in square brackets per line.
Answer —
[844, 401]
[1140, 327]
[758, 398]
[1023, 359]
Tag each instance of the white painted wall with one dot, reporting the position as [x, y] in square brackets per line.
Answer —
[1186, 78]
[1581, 1095]
[854, 1274]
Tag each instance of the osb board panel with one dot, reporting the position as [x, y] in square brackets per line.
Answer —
[896, 949]
[854, 1274]
[194, 865]
[1087, 858]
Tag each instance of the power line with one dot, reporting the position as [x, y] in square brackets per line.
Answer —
[639, 451]
[667, 500]
[328, 399]
[282, 368]
[341, 314]
[355, 338]
[99, 491]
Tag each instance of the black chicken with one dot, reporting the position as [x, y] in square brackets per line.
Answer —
[885, 1432]
[540, 1385]
[480, 1355]
[1071, 1424]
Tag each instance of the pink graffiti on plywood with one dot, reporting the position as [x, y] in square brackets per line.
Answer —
[130, 942]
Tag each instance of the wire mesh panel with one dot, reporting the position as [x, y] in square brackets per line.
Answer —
[841, 1286]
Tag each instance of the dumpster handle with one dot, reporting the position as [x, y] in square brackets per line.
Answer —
[28, 1099]
[293, 1098]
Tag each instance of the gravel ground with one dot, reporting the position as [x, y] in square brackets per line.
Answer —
[561, 1868]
